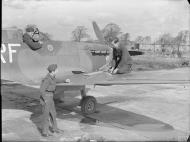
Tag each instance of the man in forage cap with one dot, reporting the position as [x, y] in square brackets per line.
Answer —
[47, 90]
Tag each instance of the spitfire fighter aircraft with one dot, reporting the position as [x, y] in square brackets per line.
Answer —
[77, 61]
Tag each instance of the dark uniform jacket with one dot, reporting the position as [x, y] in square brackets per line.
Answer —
[48, 85]
[117, 55]
[31, 43]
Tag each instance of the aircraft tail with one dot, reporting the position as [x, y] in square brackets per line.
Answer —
[98, 32]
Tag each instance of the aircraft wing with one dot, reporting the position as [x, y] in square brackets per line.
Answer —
[101, 78]
[135, 82]
[136, 78]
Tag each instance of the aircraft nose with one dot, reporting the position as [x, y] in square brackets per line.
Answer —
[93, 56]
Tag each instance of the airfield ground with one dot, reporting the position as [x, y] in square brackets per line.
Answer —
[143, 112]
[157, 61]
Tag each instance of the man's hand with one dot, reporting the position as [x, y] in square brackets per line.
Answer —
[41, 42]
[115, 71]
[111, 70]
[67, 81]
[42, 102]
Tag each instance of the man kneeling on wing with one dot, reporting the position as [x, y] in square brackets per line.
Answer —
[119, 60]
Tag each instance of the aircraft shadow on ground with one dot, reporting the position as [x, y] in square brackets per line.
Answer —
[19, 97]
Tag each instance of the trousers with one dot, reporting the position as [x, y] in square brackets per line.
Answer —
[124, 69]
[48, 114]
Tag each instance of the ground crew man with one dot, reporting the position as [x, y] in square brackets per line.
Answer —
[117, 53]
[47, 90]
[29, 39]
[114, 58]
[125, 64]
[121, 57]
[119, 60]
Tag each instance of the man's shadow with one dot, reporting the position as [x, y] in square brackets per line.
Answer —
[20, 97]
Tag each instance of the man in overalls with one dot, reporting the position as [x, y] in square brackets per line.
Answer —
[114, 58]
[121, 58]
[117, 53]
[47, 90]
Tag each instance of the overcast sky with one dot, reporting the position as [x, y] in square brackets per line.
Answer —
[60, 17]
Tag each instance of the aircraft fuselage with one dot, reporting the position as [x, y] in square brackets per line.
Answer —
[20, 63]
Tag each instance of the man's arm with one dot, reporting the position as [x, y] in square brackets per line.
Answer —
[43, 88]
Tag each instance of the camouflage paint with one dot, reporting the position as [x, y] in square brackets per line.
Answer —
[30, 66]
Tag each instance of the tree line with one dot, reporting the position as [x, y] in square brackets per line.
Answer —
[110, 31]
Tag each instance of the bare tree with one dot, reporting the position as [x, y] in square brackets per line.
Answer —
[165, 40]
[147, 39]
[79, 32]
[180, 39]
[139, 39]
[111, 31]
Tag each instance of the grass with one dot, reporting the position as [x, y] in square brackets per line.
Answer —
[151, 61]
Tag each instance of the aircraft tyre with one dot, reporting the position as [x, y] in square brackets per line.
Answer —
[88, 105]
